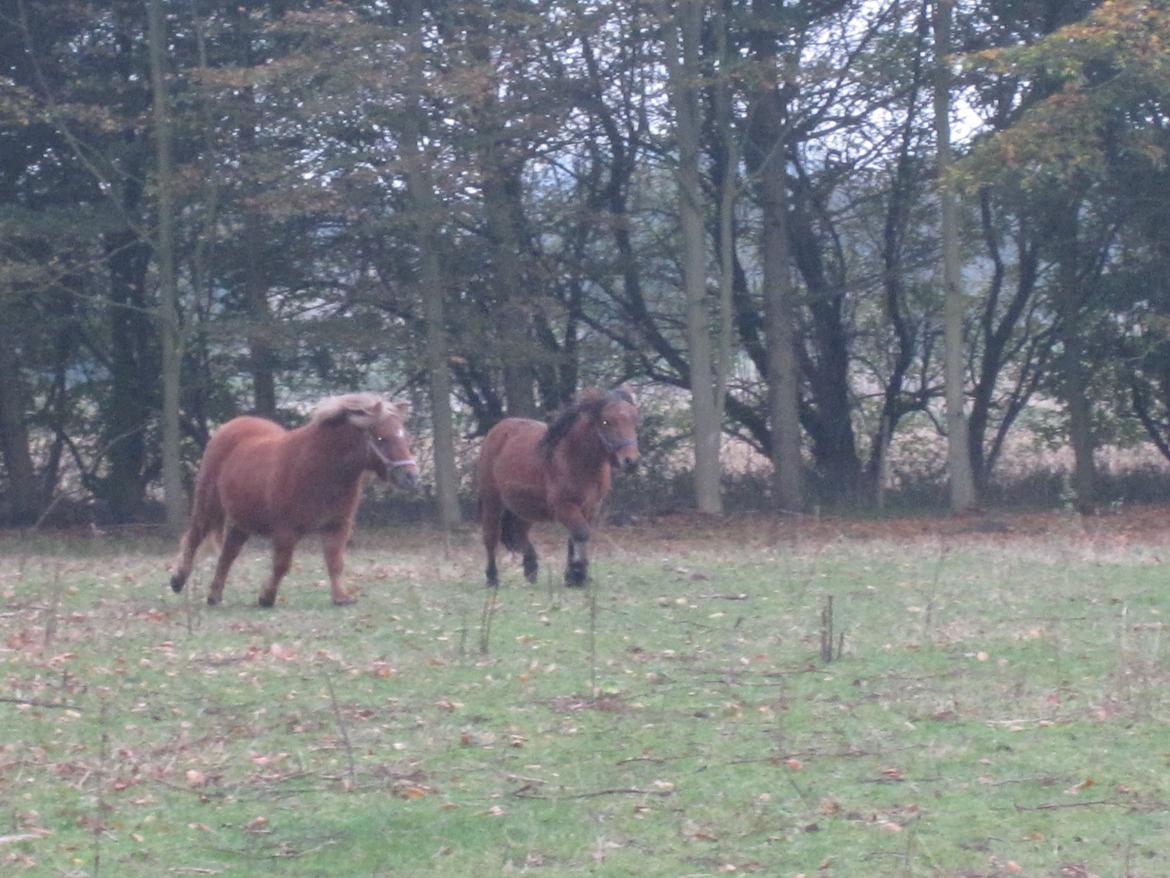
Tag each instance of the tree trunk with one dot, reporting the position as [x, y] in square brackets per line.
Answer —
[684, 73]
[168, 311]
[501, 174]
[962, 483]
[727, 197]
[14, 440]
[501, 191]
[133, 339]
[766, 155]
[254, 236]
[825, 355]
[431, 286]
[261, 350]
[1073, 381]
[129, 407]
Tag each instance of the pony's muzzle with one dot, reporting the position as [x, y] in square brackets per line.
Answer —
[630, 463]
[405, 476]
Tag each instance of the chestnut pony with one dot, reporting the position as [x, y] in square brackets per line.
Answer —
[561, 472]
[258, 478]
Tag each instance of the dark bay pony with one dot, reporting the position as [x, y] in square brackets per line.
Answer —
[560, 472]
[258, 478]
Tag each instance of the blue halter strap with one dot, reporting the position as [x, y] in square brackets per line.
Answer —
[615, 447]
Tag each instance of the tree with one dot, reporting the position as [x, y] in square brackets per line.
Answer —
[683, 28]
[962, 483]
[430, 273]
[168, 309]
[1096, 112]
[23, 496]
[767, 158]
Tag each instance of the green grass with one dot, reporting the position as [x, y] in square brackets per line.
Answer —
[1000, 708]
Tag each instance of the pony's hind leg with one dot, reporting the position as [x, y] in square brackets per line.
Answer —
[489, 519]
[528, 551]
[187, 550]
[514, 535]
[233, 541]
[282, 549]
[531, 564]
[199, 530]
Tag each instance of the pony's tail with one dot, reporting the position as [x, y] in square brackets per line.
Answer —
[509, 533]
[207, 518]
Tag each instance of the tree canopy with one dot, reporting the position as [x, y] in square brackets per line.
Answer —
[483, 207]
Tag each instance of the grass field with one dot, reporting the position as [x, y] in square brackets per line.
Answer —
[995, 705]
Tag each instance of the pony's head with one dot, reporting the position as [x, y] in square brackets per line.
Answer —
[388, 453]
[611, 415]
[617, 425]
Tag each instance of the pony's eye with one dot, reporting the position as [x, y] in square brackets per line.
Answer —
[604, 422]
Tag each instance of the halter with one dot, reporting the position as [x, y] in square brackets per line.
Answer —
[406, 461]
[615, 447]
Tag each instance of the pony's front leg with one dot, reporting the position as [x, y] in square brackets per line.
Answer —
[233, 541]
[577, 568]
[334, 545]
[282, 549]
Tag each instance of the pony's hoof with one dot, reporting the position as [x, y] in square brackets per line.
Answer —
[576, 576]
[177, 583]
[344, 600]
[531, 575]
[213, 600]
[267, 600]
[493, 583]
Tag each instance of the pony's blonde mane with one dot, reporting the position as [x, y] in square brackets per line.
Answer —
[334, 406]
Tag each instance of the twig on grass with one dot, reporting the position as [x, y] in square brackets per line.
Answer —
[827, 631]
[19, 837]
[928, 616]
[32, 702]
[485, 620]
[99, 826]
[54, 607]
[524, 793]
[1057, 806]
[200, 792]
[723, 597]
[285, 854]
[593, 639]
[344, 731]
[804, 796]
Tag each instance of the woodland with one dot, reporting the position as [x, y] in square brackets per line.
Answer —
[818, 230]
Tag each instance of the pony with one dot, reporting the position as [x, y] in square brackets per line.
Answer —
[530, 471]
[257, 478]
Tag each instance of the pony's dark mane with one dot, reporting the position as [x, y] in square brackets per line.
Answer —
[590, 405]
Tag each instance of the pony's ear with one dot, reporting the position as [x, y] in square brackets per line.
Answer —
[402, 409]
[363, 413]
[624, 391]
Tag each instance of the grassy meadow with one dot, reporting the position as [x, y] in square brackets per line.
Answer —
[995, 704]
